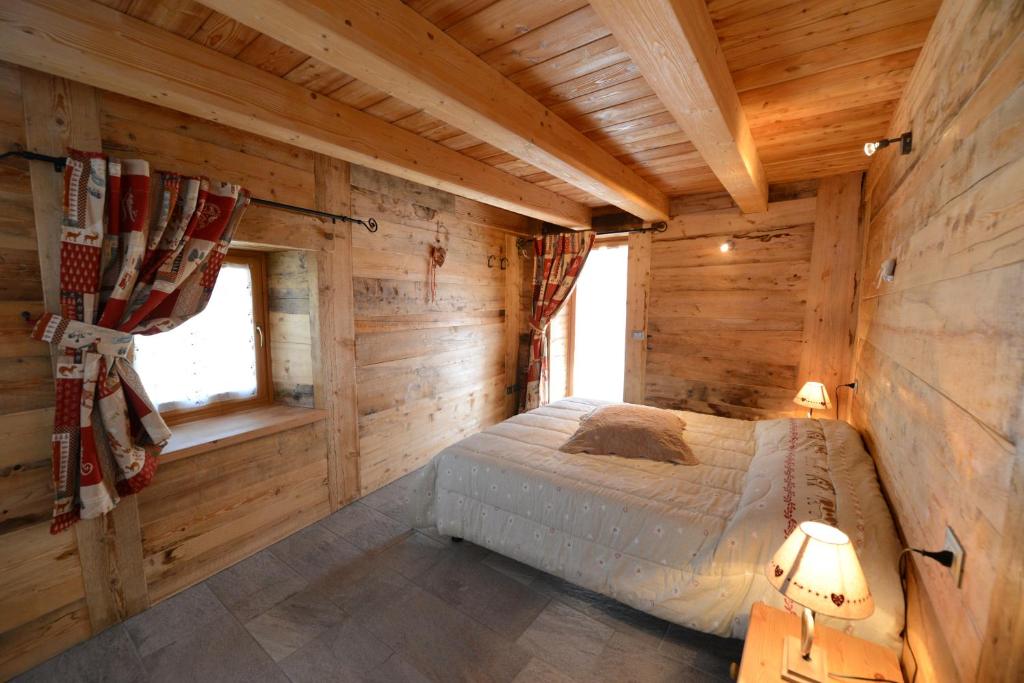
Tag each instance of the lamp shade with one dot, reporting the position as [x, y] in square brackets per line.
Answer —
[813, 395]
[818, 568]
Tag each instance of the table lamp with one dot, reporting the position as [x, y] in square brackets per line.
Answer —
[817, 568]
[813, 395]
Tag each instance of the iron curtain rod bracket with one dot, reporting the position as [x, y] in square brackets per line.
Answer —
[59, 162]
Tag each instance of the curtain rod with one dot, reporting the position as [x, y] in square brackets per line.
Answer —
[370, 224]
[659, 226]
[523, 242]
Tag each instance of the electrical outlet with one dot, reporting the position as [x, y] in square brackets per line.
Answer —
[953, 545]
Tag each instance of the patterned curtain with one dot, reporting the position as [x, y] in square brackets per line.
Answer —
[559, 259]
[138, 255]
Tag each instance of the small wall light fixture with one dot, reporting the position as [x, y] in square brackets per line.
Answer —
[906, 144]
[727, 246]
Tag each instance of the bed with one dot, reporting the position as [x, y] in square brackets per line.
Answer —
[684, 543]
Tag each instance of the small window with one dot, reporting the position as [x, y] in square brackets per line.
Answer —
[218, 361]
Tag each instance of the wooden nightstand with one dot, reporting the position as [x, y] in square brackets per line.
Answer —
[762, 650]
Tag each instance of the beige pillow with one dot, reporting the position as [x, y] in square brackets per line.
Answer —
[632, 431]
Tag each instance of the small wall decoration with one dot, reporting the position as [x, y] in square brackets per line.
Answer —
[438, 252]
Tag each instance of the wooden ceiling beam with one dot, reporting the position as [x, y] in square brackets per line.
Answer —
[388, 45]
[674, 44]
[87, 42]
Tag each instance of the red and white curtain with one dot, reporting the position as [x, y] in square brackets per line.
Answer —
[139, 255]
[559, 260]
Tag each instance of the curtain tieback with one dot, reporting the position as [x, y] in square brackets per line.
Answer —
[75, 334]
[538, 330]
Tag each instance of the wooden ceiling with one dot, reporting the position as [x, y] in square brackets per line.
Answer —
[816, 78]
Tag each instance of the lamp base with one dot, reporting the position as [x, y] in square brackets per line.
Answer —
[796, 669]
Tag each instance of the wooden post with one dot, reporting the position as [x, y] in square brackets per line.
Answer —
[1002, 650]
[830, 317]
[332, 323]
[638, 286]
[61, 114]
[513, 292]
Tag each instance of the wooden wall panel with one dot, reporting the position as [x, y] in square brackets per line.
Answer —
[939, 348]
[332, 327]
[727, 328]
[62, 114]
[42, 602]
[830, 318]
[525, 315]
[289, 335]
[638, 293]
[206, 512]
[175, 142]
[513, 322]
[427, 372]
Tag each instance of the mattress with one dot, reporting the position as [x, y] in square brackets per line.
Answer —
[685, 543]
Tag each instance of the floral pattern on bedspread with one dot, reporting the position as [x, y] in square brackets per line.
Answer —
[686, 543]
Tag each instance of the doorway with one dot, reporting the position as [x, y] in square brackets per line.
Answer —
[598, 345]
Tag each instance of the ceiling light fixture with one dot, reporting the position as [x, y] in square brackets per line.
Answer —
[906, 144]
[727, 246]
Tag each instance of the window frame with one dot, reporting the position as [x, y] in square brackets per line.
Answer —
[256, 262]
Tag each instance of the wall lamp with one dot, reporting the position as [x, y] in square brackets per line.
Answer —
[727, 246]
[905, 140]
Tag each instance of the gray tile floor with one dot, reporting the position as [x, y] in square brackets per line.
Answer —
[359, 596]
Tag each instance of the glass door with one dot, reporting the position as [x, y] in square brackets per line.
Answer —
[598, 345]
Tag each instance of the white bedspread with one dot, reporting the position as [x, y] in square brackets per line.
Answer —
[685, 543]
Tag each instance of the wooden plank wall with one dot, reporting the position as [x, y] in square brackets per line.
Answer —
[427, 372]
[514, 315]
[430, 372]
[204, 513]
[638, 295]
[939, 349]
[42, 608]
[525, 314]
[288, 273]
[830, 316]
[727, 330]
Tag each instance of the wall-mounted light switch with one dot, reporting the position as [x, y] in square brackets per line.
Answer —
[638, 335]
[887, 271]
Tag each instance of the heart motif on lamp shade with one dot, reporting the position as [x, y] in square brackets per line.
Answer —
[817, 567]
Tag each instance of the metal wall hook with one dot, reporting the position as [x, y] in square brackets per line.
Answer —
[490, 261]
[58, 162]
[504, 262]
